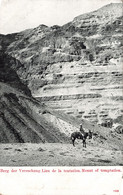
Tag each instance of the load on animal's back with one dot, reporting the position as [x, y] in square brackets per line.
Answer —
[81, 135]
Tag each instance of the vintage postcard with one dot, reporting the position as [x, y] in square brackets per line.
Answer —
[61, 97]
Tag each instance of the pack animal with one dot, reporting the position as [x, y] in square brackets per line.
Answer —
[82, 136]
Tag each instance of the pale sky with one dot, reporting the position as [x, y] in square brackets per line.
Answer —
[18, 15]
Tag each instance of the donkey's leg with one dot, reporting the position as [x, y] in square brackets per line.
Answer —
[73, 139]
[84, 143]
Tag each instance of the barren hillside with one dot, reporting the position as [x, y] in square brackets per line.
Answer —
[54, 78]
[77, 67]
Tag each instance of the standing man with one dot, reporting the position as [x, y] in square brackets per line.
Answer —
[81, 129]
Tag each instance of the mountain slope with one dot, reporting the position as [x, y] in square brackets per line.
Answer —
[75, 69]
[22, 120]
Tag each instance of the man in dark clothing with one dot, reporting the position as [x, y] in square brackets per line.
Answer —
[81, 129]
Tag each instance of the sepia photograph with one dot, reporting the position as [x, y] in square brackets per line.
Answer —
[61, 83]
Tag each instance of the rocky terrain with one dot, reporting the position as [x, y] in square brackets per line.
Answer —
[77, 67]
[32, 134]
[23, 119]
[58, 154]
[54, 78]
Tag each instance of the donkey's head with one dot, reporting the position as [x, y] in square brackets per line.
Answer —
[90, 134]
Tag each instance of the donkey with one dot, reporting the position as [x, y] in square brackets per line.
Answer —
[83, 136]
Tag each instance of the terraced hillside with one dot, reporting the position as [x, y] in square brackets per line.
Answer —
[74, 69]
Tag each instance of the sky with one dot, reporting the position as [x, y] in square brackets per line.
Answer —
[18, 15]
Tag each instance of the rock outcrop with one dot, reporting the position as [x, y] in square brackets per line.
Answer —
[75, 68]
[24, 119]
